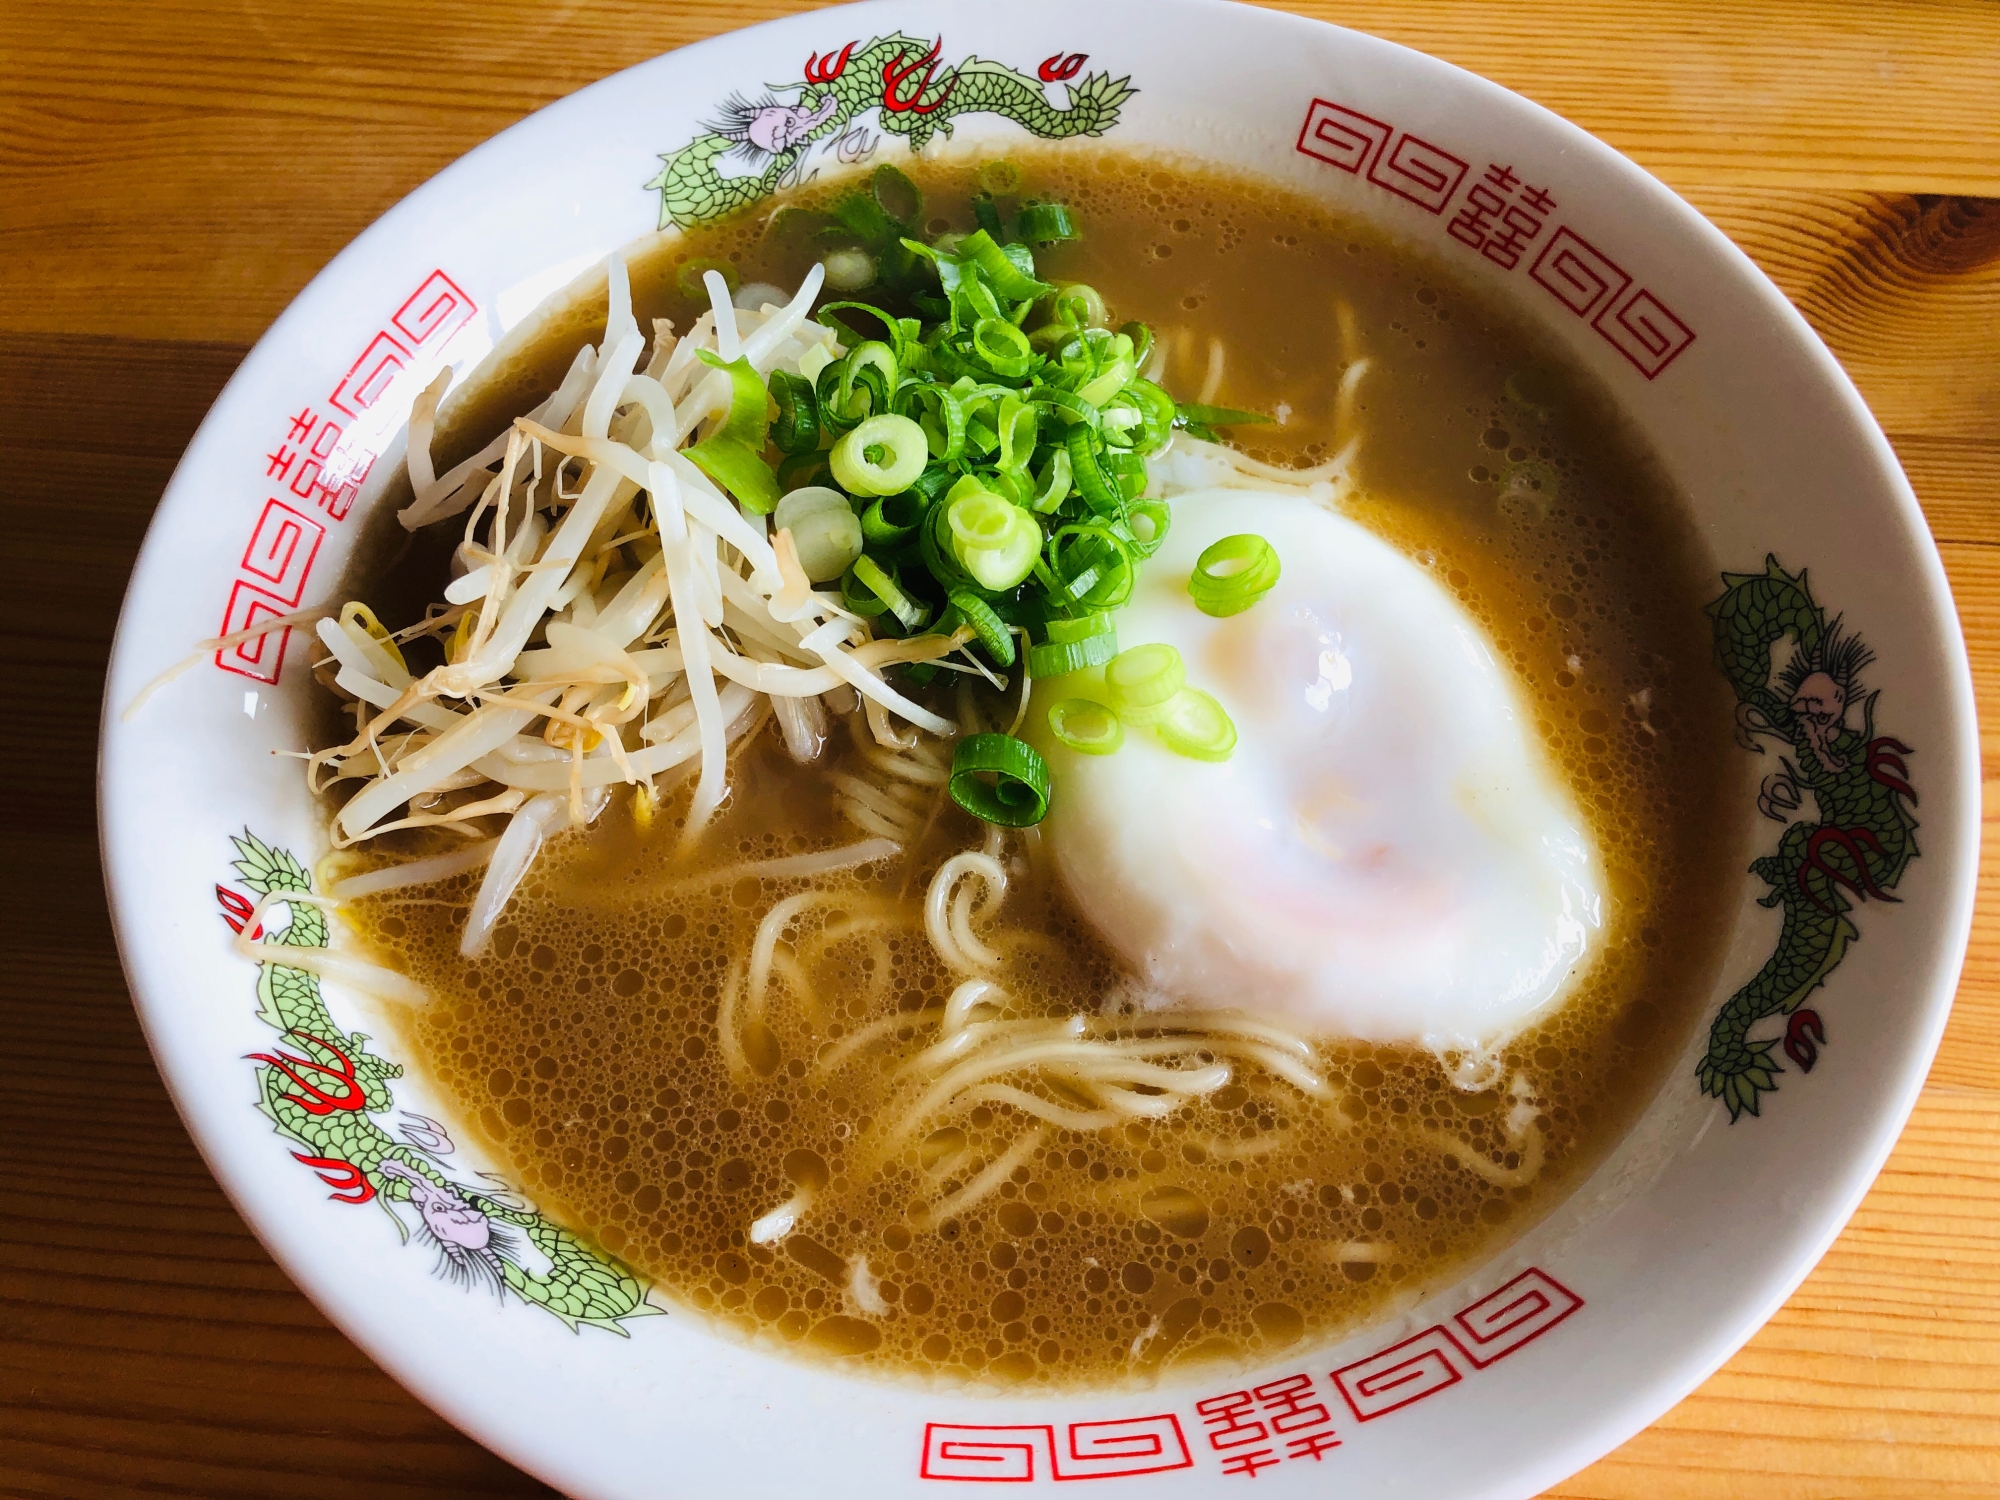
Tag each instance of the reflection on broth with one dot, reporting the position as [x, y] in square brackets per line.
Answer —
[904, 1105]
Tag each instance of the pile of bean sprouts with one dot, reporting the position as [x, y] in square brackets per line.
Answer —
[613, 617]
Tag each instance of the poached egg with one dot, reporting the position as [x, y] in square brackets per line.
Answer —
[1387, 856]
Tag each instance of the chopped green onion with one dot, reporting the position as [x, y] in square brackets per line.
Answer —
[892, 519]
[690, 283]
[739, 471]
[882, 456]
[1003, 348]
[874, 365]
[986, 214]
[749, 416]
[940, 411]
[1018, 794]
[802, 469]
[990, 628]
[1007, 278]
[850, 334]
[1052, 488]
[1081, 629]
[1057, 658]
[1196, 726]
[1014, 434]
[1045, 223]
[849, 270]
[797, 427]
[732, 456]
[1148, 521]
[1093, 565]
[994, 540]
[1080, 305]
[824, 528]
[868, 574]
[1088, 473]
[1233, 574]
[898, 197]
[1142, 682]
[1085, 725]
[998, 178]
[1141, 335]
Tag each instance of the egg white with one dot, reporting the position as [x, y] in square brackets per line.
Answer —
[1386, 856]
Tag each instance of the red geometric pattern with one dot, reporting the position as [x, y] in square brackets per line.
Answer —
[1089, 1450]
[323, 462]
[1342, 137]
[1427, 175]
[1245, 1428]
[263, 656]
[1406, 1372]
[1501, 218]
[434, 312]
[1582, 277]
[1645, 331]
[281, 551]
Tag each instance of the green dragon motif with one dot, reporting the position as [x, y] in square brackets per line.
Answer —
[895, 76]
[324, 1094]
[1860, 844]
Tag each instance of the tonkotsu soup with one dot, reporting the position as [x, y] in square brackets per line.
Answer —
[728, 975]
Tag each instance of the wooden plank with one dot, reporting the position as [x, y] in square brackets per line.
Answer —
[175, 172]
[1877, 1378]
[214, 165]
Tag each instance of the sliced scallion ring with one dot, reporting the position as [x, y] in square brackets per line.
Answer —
[990, 628]
[1045, 223]
[869, 574]
[1057, 658]
[1233, 574]
[797, 427]
[1148, 521]
[1017, 796]
[1142, 682]
[1081, 629]
[1196, 726]
[1086, 725]
[882, 456]
[891, 520]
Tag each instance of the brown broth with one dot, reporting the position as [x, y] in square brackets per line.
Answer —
[583, 1049]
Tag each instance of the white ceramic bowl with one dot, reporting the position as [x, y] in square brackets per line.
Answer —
[1535, 1363]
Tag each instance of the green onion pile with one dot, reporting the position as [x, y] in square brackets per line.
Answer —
[976, 463]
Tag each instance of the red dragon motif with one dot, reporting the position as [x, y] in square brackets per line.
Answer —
[1851, 842]
[236, 909]
[1886, 766]
[895, 72]
[1804, 1034]
[349, 1182]
[316, 1100]
[824, 70]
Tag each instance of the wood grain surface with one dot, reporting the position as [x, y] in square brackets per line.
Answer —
[172, 173]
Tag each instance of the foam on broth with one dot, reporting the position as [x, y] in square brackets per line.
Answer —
[583, 1047]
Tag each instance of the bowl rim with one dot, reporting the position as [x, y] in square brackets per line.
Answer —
[1705, 1350]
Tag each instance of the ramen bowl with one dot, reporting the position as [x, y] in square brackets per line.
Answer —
[1739, 1172]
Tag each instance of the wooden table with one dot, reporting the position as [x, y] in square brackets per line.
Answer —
[173, 172]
